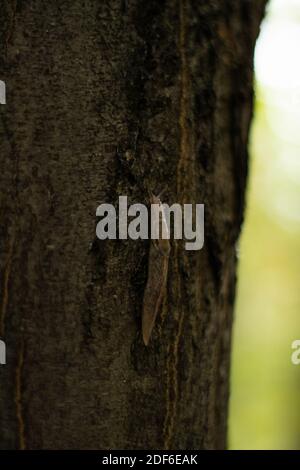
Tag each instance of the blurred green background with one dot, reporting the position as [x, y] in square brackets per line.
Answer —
[265, 385]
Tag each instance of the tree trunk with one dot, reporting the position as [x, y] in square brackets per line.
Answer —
[109, 98]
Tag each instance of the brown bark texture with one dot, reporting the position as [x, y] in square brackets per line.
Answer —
[109, 98]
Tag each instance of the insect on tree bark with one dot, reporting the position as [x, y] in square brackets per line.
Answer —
[157, 270]
[83, 80]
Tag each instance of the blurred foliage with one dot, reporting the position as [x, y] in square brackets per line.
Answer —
[265, 385]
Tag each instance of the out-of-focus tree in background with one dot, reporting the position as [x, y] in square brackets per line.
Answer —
[265, 385]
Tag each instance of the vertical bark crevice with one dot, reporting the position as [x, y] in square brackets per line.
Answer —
[5, 288]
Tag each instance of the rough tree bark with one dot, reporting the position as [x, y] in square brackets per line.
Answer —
[107, 98]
